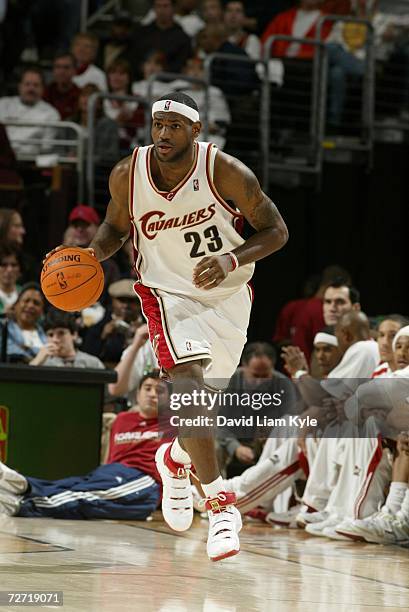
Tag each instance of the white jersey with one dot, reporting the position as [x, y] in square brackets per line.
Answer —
[173, 231]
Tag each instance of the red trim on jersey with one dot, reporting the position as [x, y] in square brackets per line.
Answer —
[213, 189]
[273, 481]
[380, 370]
[373, 464]
[302, 458]
[134, 232]
[151, 310]
[169, 195]
[251, 290]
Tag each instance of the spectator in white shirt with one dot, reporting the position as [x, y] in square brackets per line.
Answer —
[218, 110]
[85, 48]
[29, 106]
[234, 18]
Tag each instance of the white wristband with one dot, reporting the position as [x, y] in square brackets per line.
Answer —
[299, 373]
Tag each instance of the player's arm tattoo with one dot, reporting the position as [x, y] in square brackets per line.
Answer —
[240, 185]
[107, 241]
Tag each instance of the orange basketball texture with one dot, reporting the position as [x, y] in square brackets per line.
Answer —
[72, 279]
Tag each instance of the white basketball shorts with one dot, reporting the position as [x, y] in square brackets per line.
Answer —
[183, 329]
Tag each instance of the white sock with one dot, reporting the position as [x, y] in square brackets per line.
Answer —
[395, 497]
[178, 454]
[404, 510]
[212, 489]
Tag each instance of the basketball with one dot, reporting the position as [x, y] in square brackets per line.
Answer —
[72, 279]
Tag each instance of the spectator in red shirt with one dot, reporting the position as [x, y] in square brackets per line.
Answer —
[299, 22]
[62, 93]
[124, 488]
[338, 298]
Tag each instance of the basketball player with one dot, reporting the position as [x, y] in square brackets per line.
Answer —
[177, 198]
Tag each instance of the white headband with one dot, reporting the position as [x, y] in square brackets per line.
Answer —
[325, 338]
[169, 106]
[404, 331]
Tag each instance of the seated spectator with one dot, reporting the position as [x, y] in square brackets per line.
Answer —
[257, 374]
[62, 93]
[12, 231]
[109, 337]
[29, 106]
[25, 334]
[154, 63]
[185, 15]
[10, 271]
[218, 111]
[119, 45]
[84, 49]
[234, 17]
[337, 298]
[83, 224]
[325, 351]
[106, 134]
[131, 462]
[298, 22]
[10, 181]
[212, 12]
[136, 360]
[232, 77]
[166, 36]
[128, 115]
[61, 330]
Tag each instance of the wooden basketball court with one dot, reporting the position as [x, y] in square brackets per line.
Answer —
[130, 566]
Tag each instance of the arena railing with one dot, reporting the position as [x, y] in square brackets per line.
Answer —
[93, 101]
[74, 148]
[295, 125]
[238, 77]
[365, 123]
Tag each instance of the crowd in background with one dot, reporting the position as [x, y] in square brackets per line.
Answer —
[321, 335]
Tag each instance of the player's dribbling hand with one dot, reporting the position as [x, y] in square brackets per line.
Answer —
[211, 271]
[64, 246]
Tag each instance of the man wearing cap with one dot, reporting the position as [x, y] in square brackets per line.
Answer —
[83, 225]
[109, 337]
[182, 200]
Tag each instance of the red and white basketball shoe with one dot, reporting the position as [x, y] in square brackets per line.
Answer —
[177, 500]
[224, 526]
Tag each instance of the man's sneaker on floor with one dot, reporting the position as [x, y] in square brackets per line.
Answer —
[334, 534]
[317, 529]
[284, 519]
[224, 526]
[346, 529]
[306, 517]
[257, 515]
[177, 502]
[376, 529]
[400, 528]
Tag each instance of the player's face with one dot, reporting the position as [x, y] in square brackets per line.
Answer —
[31, 88]
[212, 11]
[63, 340]
[29, 309]
[9, 271]
[148, 397]
[173, 136]
[336, 303]
[386, 332]
[401, 353]
[16, 229]
[327, 356]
